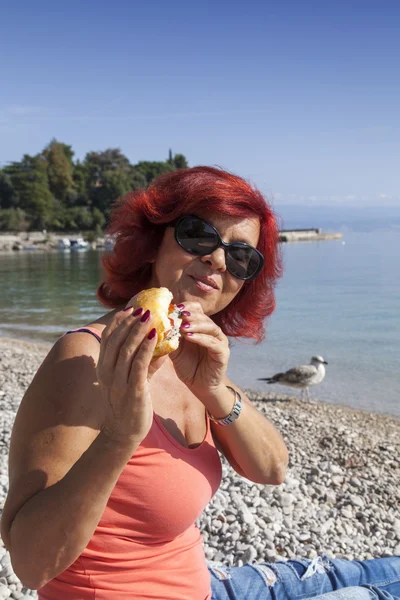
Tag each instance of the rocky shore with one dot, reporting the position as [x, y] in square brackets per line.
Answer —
[341, 496]
[44, 242]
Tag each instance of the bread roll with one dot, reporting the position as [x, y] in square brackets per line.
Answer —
[165, 317]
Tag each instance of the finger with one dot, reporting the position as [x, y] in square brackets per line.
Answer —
[115, 337]
[116, 321]
[129, 348]
[155, 364]
[139, 369]
[192, 307]
[211, 343]
[206, 326]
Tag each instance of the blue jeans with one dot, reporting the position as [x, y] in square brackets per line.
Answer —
[302, 578]
[367, 592]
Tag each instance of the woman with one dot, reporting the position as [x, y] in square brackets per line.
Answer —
[113, 456]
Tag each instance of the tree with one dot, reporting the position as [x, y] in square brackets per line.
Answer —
[8, 197]
[13, 219]
[152, 169]
[80, 176]
[109, 176]
[99, 219]
[29, 179]
[138, 180]
[49, 190]
[180, 161]
[60, 169]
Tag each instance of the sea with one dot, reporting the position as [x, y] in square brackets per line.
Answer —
[338, 299]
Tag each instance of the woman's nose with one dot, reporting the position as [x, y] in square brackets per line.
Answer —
[216, 260]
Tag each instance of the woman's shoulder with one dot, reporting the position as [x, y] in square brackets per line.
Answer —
[67, 376]
[101, 323]
[93, 329]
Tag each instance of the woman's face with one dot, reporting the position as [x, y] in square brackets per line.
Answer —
[203, 279]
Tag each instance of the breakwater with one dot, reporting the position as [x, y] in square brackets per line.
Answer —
[307, 235]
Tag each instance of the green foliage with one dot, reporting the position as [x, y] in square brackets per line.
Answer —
[13, 219]
[151, 170]
[180, 161]
[8, 196]
[60, 169]
[51, 191]
[30, 182]
[80, 176]
[138, 179]
[109, 176]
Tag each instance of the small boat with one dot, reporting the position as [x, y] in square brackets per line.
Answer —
[64, 244]
[79, 244]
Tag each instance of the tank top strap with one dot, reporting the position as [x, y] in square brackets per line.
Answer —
[95, 332]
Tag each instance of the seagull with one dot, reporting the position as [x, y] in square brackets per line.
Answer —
[301, 377]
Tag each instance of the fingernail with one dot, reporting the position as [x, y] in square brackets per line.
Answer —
[186, 325]
[138, 312]
[127, 308]
[145, 317]
[189, 333]
[152, 334]
[185, 313]
[180, 306]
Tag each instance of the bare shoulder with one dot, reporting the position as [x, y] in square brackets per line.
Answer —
[59, 416]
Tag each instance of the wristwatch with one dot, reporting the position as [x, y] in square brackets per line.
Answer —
[235, 412]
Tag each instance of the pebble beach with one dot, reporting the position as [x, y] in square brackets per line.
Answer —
[341, 496]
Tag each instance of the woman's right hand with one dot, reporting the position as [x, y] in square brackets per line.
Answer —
[124, 371]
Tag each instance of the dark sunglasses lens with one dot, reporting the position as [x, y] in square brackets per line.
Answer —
[196, 236]
[242, 261]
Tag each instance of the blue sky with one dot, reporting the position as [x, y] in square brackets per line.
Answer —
[302, 97]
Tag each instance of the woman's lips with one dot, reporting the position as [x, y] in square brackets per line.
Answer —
[204, 284]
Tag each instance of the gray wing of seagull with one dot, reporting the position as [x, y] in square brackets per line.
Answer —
[297, 377]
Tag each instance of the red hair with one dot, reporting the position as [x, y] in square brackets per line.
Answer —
[139, 219]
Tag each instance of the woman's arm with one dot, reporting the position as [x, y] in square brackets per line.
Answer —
[62, 471]
[252, 445]
[56, 524]
[79, 423]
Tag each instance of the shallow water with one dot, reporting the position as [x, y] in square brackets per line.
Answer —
[341, 301]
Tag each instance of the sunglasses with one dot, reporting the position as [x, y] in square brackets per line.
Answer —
[200, 238]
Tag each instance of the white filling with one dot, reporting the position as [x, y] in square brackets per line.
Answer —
[176, 318]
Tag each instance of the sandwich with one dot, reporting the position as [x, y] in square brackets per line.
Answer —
[165, 317]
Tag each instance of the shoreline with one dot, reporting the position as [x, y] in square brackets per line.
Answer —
[254, 393]
[340, 497]
[36, 241]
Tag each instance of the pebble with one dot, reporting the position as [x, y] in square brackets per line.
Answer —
[340, 496]
[330, 497]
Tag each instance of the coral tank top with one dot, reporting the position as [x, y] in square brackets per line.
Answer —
[147, 545]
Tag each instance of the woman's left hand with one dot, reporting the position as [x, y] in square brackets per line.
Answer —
[202, 357]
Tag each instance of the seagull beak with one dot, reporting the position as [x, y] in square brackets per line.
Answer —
[325, 363]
